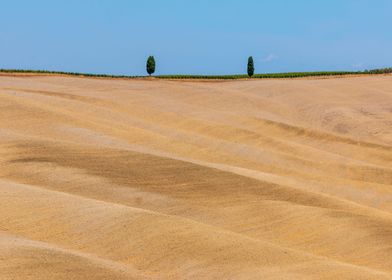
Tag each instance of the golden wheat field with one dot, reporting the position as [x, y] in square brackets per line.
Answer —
[159, 179]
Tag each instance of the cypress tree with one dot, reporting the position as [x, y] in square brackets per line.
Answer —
[150, 65]
[251, 67]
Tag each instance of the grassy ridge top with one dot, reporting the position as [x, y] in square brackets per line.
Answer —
[220, 77]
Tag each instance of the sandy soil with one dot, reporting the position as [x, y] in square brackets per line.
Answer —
[148, 179]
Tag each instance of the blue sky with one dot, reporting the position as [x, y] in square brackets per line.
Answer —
[195, 37]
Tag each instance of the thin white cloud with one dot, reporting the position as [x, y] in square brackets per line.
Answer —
[269, 58]
[359, 65]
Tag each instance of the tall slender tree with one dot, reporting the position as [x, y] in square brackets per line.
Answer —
[251, 67]
[150, 67]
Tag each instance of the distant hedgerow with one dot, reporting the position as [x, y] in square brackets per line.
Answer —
[218, 77]
[379, 71]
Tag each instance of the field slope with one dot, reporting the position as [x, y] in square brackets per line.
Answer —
[158, 179]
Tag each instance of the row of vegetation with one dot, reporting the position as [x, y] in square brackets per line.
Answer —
[220, 77]
[45, 72]
[379, 71]
[261, 76]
